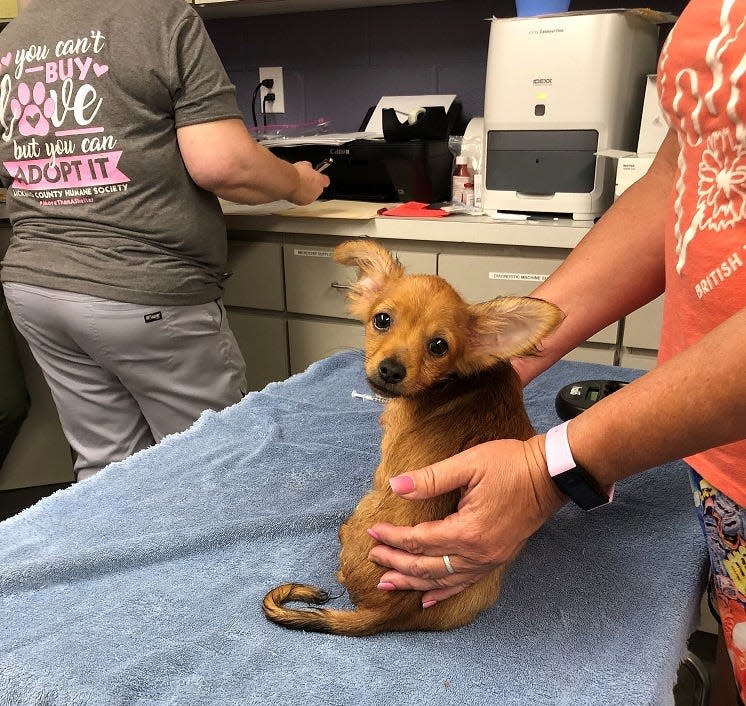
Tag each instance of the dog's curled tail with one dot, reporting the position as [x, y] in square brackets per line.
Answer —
[353, 623]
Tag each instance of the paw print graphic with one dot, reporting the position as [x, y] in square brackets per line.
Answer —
[32, 110]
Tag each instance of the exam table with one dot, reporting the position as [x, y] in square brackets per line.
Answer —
[144, 584]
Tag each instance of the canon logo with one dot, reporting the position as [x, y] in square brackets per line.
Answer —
[542, 82]
[339, 151]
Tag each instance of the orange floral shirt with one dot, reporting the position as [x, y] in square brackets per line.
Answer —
[702, 88]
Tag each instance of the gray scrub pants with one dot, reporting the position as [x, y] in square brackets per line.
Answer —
[123, 375]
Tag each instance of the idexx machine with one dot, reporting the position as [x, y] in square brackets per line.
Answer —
[559, 90]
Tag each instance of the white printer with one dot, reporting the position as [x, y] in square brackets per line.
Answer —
[559, 90]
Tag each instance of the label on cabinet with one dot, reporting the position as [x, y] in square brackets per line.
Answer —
[307, 252]
[518, 276]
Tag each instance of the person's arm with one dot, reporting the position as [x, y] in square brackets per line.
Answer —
[615, 269]
[222, 157]
[695, 401]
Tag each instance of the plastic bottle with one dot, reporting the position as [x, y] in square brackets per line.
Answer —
[462, 183]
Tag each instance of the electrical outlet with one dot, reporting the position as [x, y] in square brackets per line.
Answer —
[278, 104]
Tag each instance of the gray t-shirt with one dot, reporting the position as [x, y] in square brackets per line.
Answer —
[91, 94]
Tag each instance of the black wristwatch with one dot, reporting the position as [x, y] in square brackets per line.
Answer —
[573, 480]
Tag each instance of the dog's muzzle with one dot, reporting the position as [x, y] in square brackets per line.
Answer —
[387, 376]
[391, 371]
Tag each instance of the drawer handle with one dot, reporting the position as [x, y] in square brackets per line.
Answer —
[337, 285]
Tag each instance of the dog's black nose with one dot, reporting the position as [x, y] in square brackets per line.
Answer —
[391, 371]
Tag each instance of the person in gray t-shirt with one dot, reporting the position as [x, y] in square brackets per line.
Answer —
[119, 129]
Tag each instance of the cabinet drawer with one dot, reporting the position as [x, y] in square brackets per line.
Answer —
[638, 358]
[256, 281]
[603, 355]
[40, 454]
[263, 344]
[8, 9]
[511, 272]
[642, 328]
[311, 273]
[313, 340]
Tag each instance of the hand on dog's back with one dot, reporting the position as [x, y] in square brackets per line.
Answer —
[484, 533]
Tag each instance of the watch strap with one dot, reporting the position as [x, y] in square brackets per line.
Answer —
[573, 480]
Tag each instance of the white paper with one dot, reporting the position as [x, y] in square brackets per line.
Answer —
[334, 139]
[519, 217]
[405, 104]
[614, 154]
[262, 209]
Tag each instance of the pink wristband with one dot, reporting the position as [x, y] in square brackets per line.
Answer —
[578, 484]
[557, 448]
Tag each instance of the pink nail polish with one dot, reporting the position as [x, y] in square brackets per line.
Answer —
[374, 535]
[402, 484]
[386, 586]
[429, 604]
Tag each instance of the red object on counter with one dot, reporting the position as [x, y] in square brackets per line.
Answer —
[413, 209]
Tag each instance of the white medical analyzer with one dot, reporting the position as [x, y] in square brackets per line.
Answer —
[559, 90]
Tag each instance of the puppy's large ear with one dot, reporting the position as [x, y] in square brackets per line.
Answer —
[376, 267]
[508, 327]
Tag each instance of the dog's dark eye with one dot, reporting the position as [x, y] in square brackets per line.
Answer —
[382, 321]
[438, 346]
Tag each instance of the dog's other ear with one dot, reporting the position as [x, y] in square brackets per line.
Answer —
[509, 327]
[375, 265]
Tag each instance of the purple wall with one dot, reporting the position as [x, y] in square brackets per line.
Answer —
[338, 63]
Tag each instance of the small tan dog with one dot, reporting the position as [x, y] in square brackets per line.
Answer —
[445, 365]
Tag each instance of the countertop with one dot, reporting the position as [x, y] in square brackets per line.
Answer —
[354, 219]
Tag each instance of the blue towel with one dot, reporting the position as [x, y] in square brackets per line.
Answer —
[144, 584]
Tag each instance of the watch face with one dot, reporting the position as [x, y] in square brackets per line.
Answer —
[581, 488]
